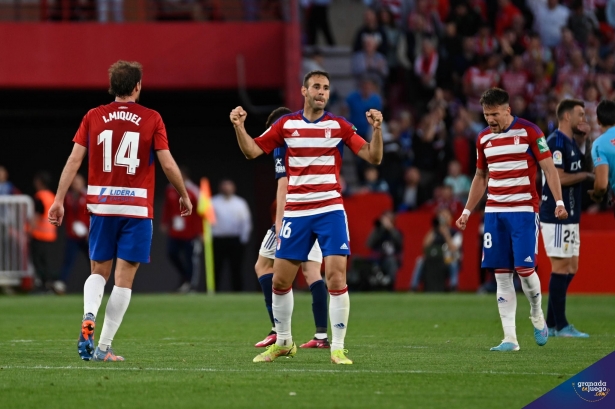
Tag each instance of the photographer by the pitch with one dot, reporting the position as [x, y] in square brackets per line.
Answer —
[441, 250]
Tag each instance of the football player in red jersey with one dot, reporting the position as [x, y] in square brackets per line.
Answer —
[121, 138]
[509, 152]
[314, 206]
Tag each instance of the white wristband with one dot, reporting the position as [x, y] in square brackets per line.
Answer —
[466, 212]
[559, 203]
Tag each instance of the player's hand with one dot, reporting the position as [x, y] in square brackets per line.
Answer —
[561, 213]
[594, 196]
[584, 128]
[462, 221]
[185, 207]
[56, 214]
[374, 117]
[590, 176]
[238, 116]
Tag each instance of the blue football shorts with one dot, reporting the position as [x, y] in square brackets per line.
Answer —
[127, 238]
[510, 240]
[298, 234]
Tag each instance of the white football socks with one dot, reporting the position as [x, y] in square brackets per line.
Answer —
[531, 288]
[114, 313]
[93, 291]
[507, 304]
[339, 309]
[282, 306]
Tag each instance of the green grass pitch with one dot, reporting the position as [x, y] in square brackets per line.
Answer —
[410, 351]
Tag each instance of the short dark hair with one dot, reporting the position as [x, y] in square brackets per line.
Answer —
[605, 111]
[313, 74]
[567, 105]
[494, 97]
[124, 77]
[276, 114]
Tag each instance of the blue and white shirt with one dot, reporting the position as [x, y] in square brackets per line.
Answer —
[566, 156]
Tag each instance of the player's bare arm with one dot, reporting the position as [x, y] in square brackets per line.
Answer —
[477, 190]
[56, 211]
[372, 152]
[554, 183]
[569, 179]
[280, 203]
[170, 169]
[247, 145]
[601, 183]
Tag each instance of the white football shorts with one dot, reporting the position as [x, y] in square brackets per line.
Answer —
[269, 244]
[561, 240]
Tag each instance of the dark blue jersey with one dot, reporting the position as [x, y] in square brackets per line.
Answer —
[279, 158]
[566, 156]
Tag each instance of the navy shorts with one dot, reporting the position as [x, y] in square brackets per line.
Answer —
[298, 234]
[510, 240]
[127, 238]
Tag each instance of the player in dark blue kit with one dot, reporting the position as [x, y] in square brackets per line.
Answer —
[561, 237]
[310, 268]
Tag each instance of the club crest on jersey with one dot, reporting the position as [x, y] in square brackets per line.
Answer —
[327, 132]
[517, 139]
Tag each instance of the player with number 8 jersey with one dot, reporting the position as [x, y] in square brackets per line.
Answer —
[508, 152]
[121, 140]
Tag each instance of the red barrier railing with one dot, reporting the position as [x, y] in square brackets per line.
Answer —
[595, 273]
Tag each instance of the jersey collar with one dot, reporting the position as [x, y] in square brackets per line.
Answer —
[316, 121]
[558, 132]
[511, 124]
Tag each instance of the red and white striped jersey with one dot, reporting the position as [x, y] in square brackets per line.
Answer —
[511, 157]
[313, 160]
[121, 139]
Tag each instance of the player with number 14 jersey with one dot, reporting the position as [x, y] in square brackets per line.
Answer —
[121, 139]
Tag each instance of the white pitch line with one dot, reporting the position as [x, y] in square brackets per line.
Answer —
[408, 371]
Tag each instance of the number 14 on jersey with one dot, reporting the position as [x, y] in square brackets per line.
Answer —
[126, 154]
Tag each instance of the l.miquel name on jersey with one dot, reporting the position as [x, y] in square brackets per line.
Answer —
[124, 116]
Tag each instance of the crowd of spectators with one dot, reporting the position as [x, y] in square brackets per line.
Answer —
[427, 62]
[118, 11]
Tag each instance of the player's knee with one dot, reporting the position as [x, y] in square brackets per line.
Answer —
[281, 283]
[336, 280]
[102, 271]
[263, 266]
[124, 280]
[311, 276]
[104, 274]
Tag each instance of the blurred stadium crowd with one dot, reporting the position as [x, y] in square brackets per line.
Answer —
[427, 62]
